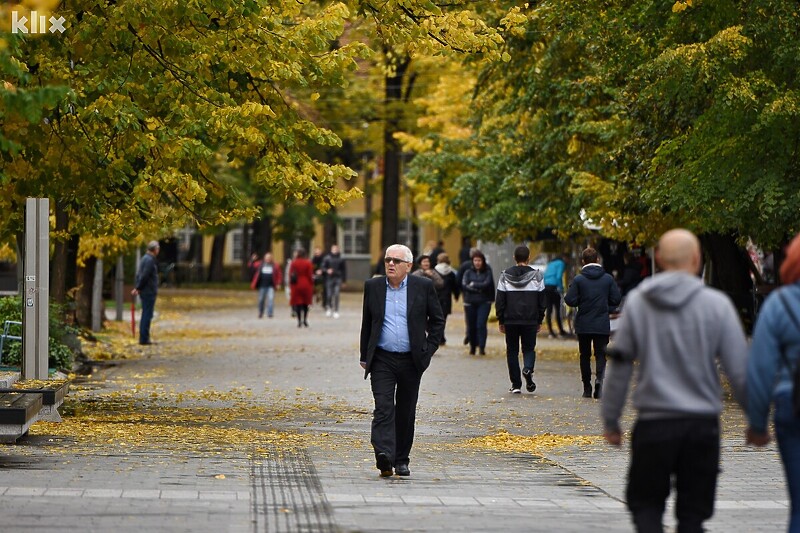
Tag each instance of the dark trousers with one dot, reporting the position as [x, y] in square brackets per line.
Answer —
[553, 302]
[687, 448]
[585, 342]
[148, 306]
[477, 316]
[517, 334]
[395, 388]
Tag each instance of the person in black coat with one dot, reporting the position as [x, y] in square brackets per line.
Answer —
[477, 286]
[595, 293]
[451, 288]
[401, 328]
[631, 275]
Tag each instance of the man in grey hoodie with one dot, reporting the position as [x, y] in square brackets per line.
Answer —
[676, 328]
[520, 306]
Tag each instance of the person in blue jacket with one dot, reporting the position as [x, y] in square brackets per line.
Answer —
[774, 357]
[595, 293]
[146, 288]
[553, 288]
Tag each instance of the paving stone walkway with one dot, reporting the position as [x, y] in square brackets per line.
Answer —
[244, 375]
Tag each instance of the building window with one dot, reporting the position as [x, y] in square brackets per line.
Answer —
[354, 236]
[408, 234]
[236, 246]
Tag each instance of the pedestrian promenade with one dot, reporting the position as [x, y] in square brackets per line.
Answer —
[231, 423]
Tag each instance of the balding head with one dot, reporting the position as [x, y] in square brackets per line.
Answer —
[679, 249]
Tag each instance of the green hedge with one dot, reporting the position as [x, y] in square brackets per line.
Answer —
[60, 355]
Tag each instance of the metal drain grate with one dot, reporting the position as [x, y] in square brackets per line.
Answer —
[287, 495]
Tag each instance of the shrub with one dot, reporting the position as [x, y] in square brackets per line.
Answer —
[60, 355]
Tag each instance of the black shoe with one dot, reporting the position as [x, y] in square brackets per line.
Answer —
[305, 323]
[598, 389]
[482, 351]
[530, 386]
[472, 350]
[466, 341]
[384, 464]
[401, 469]
[587, 390]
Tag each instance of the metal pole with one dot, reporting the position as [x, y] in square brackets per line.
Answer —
[119, 286]
[36, 296]
[97, 296]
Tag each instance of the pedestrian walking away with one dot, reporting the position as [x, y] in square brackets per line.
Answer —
[401, 328]
[146, 288]
[520, 307]
[301, 278]
[677, 329]
[319, 278]
[450, 289]
[477, 286]
[267, 278]
[554, 288]
[335, 269]
[595, 293]
[772, 375]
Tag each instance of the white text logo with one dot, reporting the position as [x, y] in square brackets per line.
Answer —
[38, 23]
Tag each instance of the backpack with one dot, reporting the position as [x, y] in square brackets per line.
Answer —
[796, 372]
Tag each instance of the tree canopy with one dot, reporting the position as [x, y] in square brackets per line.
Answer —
[637, 115]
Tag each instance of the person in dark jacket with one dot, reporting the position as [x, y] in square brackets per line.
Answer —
[595, 293]
[631, 275]
[335, 269]
[477, 286]
[449, 290]
[520, 307]
[146, 287]
[463, 266]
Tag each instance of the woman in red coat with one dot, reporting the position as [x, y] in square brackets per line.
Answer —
[301, 279]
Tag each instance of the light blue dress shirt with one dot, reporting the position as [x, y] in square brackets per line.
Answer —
[394, 334]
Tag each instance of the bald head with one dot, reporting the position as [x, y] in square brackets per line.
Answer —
[679, 249]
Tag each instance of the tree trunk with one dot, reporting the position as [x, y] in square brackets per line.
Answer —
[261, 236]
[329, 228]
[245, 268]
[392, 154]
[216, 271]
[729, 271]
[58, 268]
[83, 296]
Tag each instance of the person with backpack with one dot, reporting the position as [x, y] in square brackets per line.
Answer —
[773, 375]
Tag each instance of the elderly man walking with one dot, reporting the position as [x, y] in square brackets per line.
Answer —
[401, 327]
[677, 328]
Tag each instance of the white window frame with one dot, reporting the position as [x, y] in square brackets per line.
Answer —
[347, 229]
[230, 246]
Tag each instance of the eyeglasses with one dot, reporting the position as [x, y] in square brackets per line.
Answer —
[395, 260]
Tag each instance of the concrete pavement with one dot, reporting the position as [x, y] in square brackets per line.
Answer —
[231, 423]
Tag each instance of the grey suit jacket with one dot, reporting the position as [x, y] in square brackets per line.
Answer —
[425, 320]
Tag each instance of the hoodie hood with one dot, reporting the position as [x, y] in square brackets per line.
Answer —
[443, 269]
[521, 276]
[593, 271]
[670, 289]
